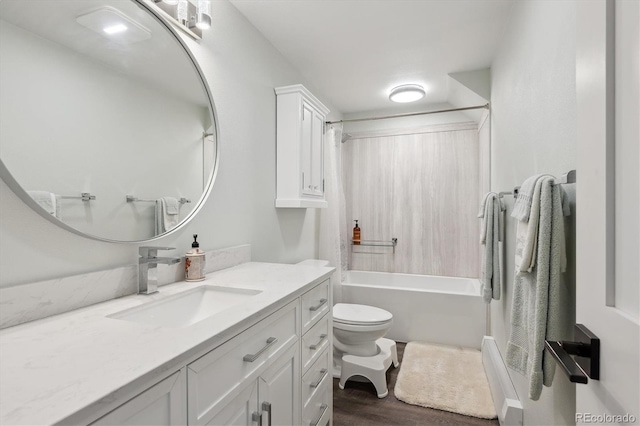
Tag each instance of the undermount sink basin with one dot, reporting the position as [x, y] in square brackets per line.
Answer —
[187, 308]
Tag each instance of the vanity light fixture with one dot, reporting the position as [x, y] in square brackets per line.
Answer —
[182, 13]
[203, 16]
[406, 93]
[115, 25]
[190, 16]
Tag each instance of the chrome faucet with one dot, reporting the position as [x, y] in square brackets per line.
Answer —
[147, 268]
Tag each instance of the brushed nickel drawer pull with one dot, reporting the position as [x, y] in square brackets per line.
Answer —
[318, 306]
[323, 409]
[323, 374]
[317, 345]
[253, 357]
[266, 406]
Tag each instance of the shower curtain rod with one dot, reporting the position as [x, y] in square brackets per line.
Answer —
[411, 114]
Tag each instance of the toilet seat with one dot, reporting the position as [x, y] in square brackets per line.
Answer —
[360, 315]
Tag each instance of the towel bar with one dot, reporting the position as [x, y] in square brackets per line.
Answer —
[586, 348]
[85, 196]
[131, 199]
[569, 177]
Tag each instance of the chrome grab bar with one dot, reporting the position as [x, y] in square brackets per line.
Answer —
[318, 306]
[253, 357]
[317, 345]
[323, 374]
[323, 409]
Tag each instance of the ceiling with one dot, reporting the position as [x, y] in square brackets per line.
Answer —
[355, 51]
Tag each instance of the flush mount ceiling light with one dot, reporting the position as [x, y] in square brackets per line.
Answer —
[115, 25]
[406, 93]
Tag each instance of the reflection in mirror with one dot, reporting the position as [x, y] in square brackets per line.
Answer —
[93, 114]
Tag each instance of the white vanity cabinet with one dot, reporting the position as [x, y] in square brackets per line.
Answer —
[234, 383]
[300, 148]
[316, 356]
[276, 372]
[162, 404]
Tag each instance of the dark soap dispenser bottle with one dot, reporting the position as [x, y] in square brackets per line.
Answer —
[356, 234]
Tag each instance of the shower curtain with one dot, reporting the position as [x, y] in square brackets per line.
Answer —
[333, 242]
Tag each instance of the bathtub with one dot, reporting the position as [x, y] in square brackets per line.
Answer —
[445, 310]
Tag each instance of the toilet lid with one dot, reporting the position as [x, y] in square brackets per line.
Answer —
[348, 313]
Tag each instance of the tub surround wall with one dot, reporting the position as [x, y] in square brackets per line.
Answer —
[420, 186]
[533, 126]
[29, 302]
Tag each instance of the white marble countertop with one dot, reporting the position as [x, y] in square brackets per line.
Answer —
[66, 366]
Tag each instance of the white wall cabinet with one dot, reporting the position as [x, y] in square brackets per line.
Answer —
[300, 148]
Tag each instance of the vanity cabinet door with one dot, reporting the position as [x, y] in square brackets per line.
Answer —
[162, 404]
[279, 391]
[241, 410]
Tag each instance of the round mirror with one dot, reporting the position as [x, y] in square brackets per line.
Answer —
[107, 127]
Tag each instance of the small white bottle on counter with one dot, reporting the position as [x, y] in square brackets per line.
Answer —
[194, 262]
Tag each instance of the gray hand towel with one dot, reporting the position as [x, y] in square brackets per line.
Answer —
[490, 239]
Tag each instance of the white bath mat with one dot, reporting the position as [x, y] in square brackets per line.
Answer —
[446, 378]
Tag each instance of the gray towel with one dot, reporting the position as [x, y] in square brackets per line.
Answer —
[539, 309]
[490, 235]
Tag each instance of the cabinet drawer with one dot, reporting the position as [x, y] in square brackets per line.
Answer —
[315, 304]
[218, 374]
[315, 341]
[317, 412]
[319, 375]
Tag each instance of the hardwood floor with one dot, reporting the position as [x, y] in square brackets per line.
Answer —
[358, 405]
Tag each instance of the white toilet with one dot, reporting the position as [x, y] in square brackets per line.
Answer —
[359, 346]
[359, 349]
[357, 327]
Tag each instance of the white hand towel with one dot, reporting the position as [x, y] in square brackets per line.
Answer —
[46, 200]
[172, 205]
[165, 221]
[522, 206]
[527, 234]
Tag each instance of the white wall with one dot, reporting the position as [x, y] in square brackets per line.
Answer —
[242, 68]
[533, 127]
